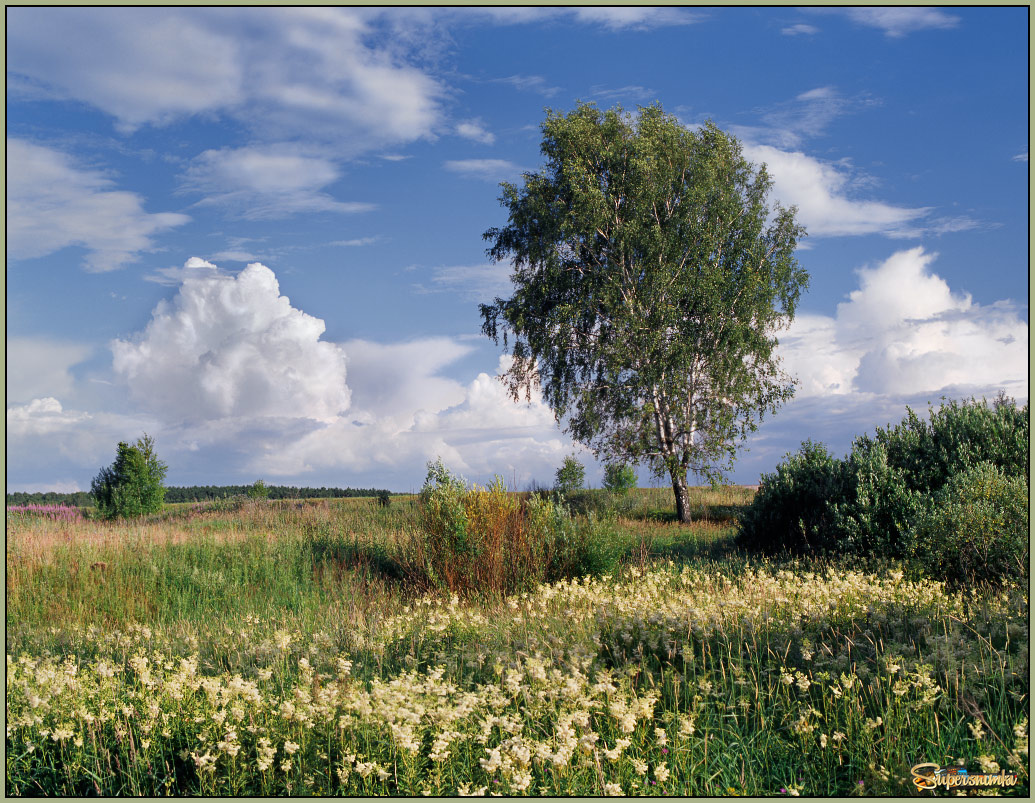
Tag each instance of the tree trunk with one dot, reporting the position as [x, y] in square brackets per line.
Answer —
[682, 493]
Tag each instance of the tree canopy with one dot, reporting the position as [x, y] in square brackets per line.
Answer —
[132, 485]
[650, 280]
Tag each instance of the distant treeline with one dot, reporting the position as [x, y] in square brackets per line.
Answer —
[194, 493]
[202, 493]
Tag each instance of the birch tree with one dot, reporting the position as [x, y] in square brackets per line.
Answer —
[650, 281]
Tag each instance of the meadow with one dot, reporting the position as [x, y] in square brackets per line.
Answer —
[282, 647]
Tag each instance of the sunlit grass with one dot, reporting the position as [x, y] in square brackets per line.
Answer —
[207, 652]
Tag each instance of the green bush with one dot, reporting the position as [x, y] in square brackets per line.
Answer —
[132, 485]
[869, 502]
[485, 540]
[977, 530]
[791, 510]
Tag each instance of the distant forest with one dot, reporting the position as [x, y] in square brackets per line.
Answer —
[194, 493]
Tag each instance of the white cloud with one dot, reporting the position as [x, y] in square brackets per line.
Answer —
[640, 18]
[192, 268]
[474, 282]
[903, 333]
[1021, 157]
[358, 241]
[53, 204]
[228, 347]
[482, 433]
[475, 130]
[39, 367]
[41, 417]
[799, 29]
[487, 169]
[898, 22]
[819, 190]
[530, 83]
[283, 72]
[267, 182]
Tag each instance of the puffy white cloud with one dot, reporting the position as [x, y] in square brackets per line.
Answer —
[39, 367]
[486, 169]
[267, 182]
[475, 130]
[41, 417]
[904, 332]
[233, 347]
[53, 204]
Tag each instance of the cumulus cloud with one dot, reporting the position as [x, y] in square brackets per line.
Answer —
[904, 332]
[52, 203]
[482, 432]
[486, 169]
[41, 417]
[475, 130]
[39, 367]
[267, 182]
[233, 347]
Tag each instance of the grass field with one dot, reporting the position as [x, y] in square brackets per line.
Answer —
[278, 647]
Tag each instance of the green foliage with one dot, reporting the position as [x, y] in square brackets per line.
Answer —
[571, 476]
[619, 479]
[977, 530]
[650, 279]
[484, 540]
[791, 511]
[259, 490]
[132, 485]
[870, 503]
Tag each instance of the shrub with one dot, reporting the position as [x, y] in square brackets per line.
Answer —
[977, 530]
[619, 479]
[485, 540]
[132, 485]
[571, 476]
[790, 511]
[870, 502]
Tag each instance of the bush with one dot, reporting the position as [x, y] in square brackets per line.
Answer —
[977, 530]
[571, 476]
[486, 540]
[619, 479]
[791, 510]
[132, 485]
[870, 502]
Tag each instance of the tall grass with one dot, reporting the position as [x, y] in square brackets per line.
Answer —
[277, 649]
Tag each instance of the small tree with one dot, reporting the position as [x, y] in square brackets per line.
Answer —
[132, 485]
[571, 476]
[650, 279]
[259, 490]
[619, 479]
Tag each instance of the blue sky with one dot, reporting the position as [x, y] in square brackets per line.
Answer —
[256, 233]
